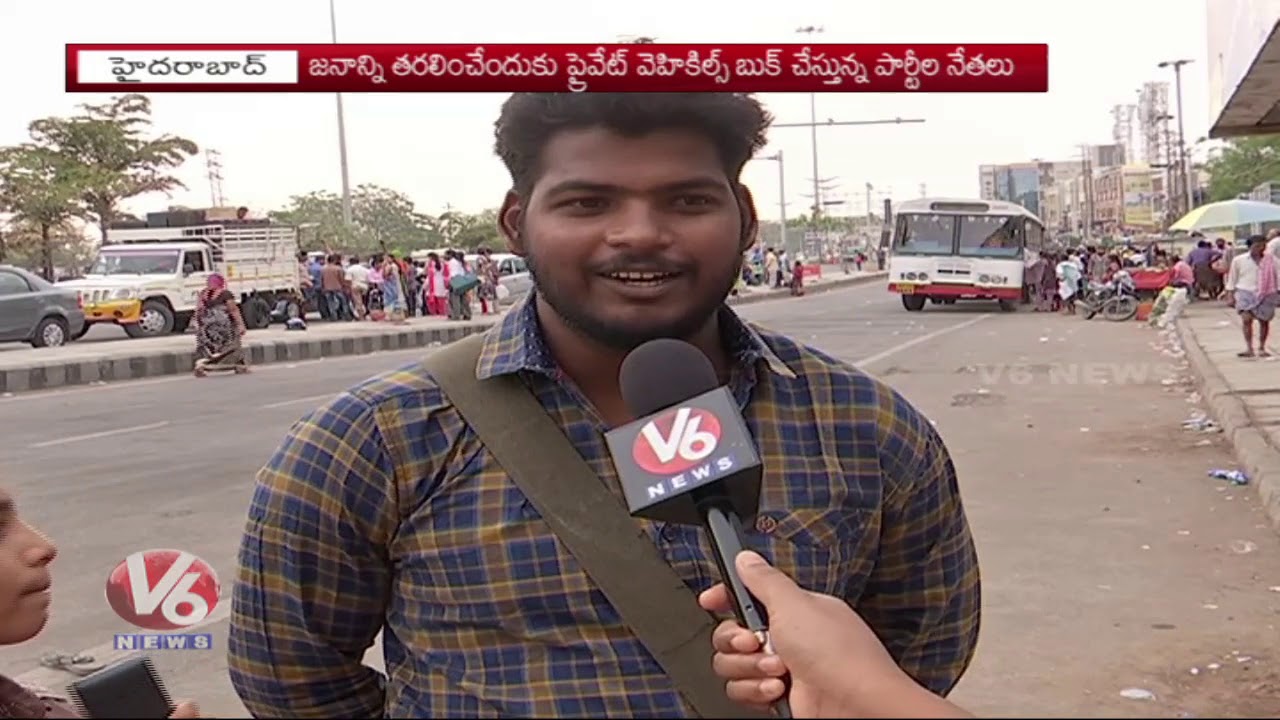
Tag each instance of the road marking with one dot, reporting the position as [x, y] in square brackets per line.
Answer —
[871, 359]
[297, 401]
[106, 653]
[103, 434]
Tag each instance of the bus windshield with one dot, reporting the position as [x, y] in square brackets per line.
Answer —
[995, 236]
[925, 234]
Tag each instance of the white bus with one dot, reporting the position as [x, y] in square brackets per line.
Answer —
[944, 250]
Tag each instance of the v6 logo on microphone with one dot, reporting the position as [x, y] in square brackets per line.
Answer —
[676, 440]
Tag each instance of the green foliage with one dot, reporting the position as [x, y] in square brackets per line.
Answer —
[1243, 165]
[385, 220]
[84, 166]
[40, 189]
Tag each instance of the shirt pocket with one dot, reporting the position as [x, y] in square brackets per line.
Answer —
[828, 551]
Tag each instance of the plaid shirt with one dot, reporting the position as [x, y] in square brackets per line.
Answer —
[382, 511]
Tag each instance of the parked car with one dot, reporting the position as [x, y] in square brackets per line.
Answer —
[514, 280]
[35, 311]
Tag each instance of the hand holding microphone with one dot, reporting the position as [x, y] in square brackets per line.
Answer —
[838, 667]
[690, 460]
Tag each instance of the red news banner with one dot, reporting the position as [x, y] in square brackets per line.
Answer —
[559, 68]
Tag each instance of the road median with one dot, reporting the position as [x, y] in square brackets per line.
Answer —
[92, 363]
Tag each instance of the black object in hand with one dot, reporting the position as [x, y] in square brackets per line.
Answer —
[128, 689]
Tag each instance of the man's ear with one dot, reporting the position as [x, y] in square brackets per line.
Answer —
[509, 221]
[750, 220]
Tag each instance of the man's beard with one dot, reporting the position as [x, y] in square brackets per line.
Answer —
[626, 338]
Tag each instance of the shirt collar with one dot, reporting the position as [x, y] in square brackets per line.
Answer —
[516, 344]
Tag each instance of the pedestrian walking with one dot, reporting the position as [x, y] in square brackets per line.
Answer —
[1252, 289]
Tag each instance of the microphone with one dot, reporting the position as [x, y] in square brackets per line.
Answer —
[689, 459]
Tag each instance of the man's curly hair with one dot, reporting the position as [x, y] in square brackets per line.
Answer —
[735, 122]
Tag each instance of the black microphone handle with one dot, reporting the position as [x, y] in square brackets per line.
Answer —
[724, 527]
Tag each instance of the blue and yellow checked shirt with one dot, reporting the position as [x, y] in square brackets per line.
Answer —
[382, 511]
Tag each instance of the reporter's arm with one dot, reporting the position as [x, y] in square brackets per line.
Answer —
[314, 574]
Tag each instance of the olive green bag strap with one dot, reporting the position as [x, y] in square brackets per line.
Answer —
[590, 521]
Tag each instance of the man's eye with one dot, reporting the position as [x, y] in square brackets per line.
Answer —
[694, 200]
[586, 203]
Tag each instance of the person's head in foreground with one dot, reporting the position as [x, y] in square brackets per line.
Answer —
[26, 585]
[628, 208]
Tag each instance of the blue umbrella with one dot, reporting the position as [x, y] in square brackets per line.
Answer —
[1228, 214]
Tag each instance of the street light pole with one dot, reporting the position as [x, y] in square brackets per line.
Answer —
[782, 199]
[813, 135]
[342, 130]
[1182, 140]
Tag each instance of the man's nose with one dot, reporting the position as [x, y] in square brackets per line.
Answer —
[637, 224]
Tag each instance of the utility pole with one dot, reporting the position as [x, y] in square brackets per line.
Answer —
[1182, 139]
[813, 133]
[213, 166]
[1172, 175]
[813, 126]
[342, 130]
[1086, 180]
[782, 199]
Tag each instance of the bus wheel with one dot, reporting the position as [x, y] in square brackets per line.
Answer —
[913, 303]
[1008, 305]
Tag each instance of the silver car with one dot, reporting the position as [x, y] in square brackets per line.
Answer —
[34, 311]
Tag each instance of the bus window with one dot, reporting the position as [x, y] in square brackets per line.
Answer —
[991, 236]
[925, 234]
[1035, 237]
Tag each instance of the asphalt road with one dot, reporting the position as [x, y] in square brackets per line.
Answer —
[1109, 560]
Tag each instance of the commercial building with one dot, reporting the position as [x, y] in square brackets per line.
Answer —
[1129, 198]
[1244, 67]
[1023, 183]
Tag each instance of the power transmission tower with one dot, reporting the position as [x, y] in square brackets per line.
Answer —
[213, 164]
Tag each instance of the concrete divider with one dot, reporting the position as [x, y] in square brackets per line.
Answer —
[118, 361]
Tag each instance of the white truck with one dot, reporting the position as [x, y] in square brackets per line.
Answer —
[146, 280]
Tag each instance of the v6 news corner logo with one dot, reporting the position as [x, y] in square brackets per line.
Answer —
[163, 590]
[676, 441]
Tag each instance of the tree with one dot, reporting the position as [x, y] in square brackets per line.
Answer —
[41, 190]
[381, 219]
[388, 217]
[1243, 165]
[468, 232]
[110, 143]
[65, 244]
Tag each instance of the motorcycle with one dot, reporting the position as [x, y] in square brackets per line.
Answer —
[1116, 300]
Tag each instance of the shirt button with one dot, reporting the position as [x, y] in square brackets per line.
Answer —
[766, 524]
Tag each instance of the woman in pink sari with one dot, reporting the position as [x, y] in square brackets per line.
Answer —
[436, 287]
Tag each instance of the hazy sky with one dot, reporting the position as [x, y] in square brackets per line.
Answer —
[438, 148]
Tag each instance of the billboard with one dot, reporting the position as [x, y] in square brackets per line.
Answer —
[1139, 200]
[1237, 30]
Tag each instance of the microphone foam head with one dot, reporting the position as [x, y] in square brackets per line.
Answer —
[662, 373]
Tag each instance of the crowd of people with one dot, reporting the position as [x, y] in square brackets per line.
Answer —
[1212, 270]
[392, 288]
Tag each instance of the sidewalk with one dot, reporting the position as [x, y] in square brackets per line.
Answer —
[1242, 394]
[111, 361]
